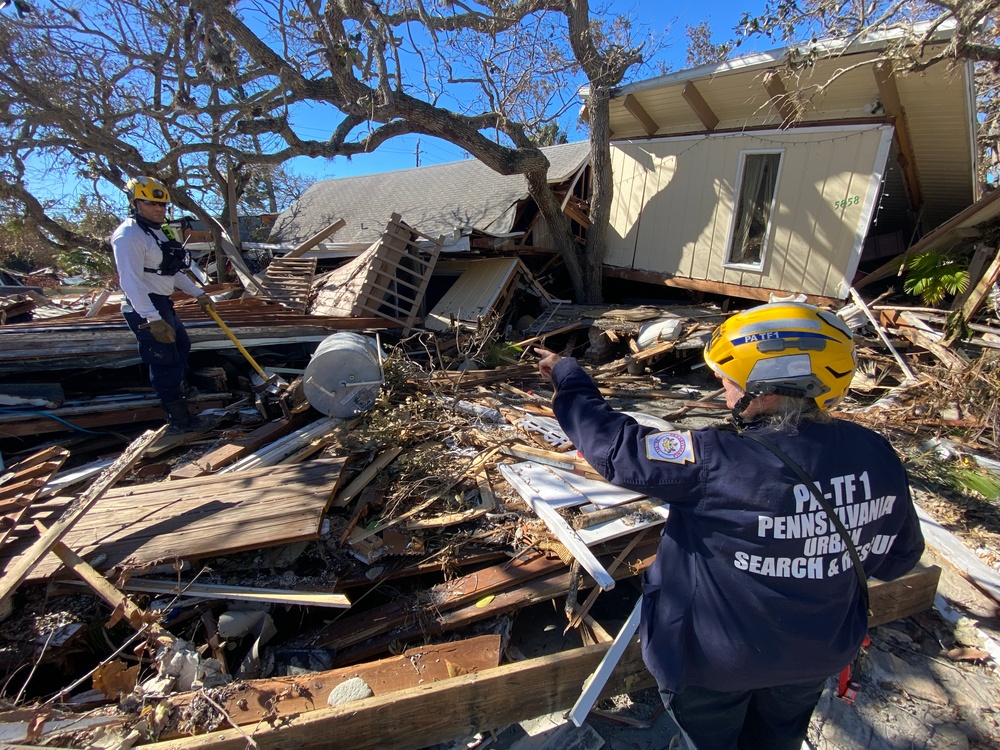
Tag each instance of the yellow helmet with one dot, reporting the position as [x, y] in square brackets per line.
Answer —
[788, 348]
[147, 189]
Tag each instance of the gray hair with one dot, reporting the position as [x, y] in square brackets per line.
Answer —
[789, 411]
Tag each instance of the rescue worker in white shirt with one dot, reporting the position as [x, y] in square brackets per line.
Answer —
[754, 600]
[151, 265]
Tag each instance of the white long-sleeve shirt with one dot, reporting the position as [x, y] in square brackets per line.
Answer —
[134, 249]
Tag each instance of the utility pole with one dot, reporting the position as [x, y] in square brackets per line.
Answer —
[418, 152]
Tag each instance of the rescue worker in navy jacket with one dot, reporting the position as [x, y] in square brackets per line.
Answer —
[752, 601]
[150, 264]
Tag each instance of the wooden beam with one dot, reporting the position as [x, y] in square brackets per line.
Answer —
[699, 106]
[888, 93]
[635, 109]
[707, 285]
[317, 238]
[914, 592]
[133, 614]
[275, 700]
[780, 98]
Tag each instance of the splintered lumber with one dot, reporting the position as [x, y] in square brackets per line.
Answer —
[284, 697]
[487, 503]
[910, 325]
[195, 518]
[439, 712]
[23, 483]
[366, 626]
[21, 567]
[541, 589]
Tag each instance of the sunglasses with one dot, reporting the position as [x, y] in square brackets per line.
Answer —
[151, 203]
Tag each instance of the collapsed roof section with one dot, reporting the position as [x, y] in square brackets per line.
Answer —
[446, 199]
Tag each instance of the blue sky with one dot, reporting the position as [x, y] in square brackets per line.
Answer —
[663, 19]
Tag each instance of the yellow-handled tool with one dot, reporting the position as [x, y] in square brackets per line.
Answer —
[268, 379]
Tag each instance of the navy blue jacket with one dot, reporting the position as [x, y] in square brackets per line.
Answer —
[752, 586]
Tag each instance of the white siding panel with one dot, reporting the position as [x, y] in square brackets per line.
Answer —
[630, 186]
[686, 210]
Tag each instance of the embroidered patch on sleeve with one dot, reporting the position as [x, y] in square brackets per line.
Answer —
[675, 447]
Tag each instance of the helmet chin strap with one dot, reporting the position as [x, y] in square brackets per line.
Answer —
[739, 407]
[134, 213]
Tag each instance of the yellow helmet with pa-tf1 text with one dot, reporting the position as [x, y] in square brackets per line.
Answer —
[147, 189]
[787, 348]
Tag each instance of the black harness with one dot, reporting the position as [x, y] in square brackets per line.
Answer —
[175, 256]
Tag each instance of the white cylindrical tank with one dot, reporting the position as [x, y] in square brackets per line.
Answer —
[344, 376]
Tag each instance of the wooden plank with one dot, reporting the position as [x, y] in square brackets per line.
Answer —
[21, 568]
[977, 295]
[241, 593]
[282, 698]
[564, 461]
[130, 611]
[918, 332]
[365, 477]
[317, 238]
[25, 481]
[914, 592]
[101, 416]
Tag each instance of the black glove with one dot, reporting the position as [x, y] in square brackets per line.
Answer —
[162, 331]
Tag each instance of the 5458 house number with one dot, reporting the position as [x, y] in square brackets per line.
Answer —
[852, 200]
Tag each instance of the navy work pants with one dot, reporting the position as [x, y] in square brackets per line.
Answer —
[774, 718]
[167, 362]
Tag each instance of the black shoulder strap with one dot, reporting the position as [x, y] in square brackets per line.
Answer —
[834, 518]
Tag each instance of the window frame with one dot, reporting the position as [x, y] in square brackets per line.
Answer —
[757, 267]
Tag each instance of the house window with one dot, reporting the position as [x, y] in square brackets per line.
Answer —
[757, 185]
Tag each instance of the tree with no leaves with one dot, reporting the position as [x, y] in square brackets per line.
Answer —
[204, 92]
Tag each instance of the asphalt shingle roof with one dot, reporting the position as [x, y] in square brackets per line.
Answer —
[434, 200]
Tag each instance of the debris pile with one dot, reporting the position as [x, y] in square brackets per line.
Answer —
[297, 572]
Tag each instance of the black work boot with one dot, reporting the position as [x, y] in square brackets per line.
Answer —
[181, 419]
